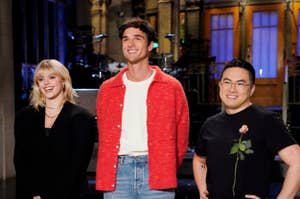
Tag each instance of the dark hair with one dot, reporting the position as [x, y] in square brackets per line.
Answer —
[141, 24]
[241, 64]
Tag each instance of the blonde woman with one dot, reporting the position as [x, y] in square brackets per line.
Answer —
[54, 138]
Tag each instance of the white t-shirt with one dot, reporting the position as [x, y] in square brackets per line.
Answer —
[134, 117]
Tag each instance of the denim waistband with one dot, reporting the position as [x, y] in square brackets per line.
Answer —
[130, 158]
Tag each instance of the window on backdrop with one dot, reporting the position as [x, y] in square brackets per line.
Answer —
[221, 41]
[298, 33]
[264, 49]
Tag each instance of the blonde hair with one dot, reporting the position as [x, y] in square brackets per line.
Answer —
[37, 99]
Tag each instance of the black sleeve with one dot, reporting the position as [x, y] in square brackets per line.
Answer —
[84, 130]
[277, 134]
[200, 148]
[22, 159]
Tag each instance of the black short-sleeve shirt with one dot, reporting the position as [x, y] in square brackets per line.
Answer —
[268, 136]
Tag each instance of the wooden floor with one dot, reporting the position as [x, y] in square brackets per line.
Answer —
[186, 190]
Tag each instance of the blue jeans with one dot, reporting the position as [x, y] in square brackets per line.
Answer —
[132, 181]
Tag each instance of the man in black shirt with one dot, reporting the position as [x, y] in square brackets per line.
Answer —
[236, 147]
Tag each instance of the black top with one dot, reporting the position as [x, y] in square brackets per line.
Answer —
[47, 131]
[217, 135]
[54, 165]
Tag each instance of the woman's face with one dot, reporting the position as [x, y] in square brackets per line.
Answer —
[51, 85]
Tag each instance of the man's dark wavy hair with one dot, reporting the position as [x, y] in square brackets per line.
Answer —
[141, 24]
[241, 64]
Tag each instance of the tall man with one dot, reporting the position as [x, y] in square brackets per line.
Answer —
[143, 123]
[236, 148]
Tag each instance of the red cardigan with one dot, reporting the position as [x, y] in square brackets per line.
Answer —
[167, 123]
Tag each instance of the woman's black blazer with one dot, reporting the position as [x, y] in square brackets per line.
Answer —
[53, 165]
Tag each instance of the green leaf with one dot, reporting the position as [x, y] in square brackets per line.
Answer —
[242, 156]
[234, 149]
[247, 143]
[242, 147]
[249, 151]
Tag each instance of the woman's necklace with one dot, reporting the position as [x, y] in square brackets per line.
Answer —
[54, 115]
[51, 116]
[51, 107]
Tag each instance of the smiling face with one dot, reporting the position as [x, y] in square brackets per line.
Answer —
[135, 46]
[235, 89]
[50, 85]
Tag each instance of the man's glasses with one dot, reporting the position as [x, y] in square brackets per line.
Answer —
[227, 84]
